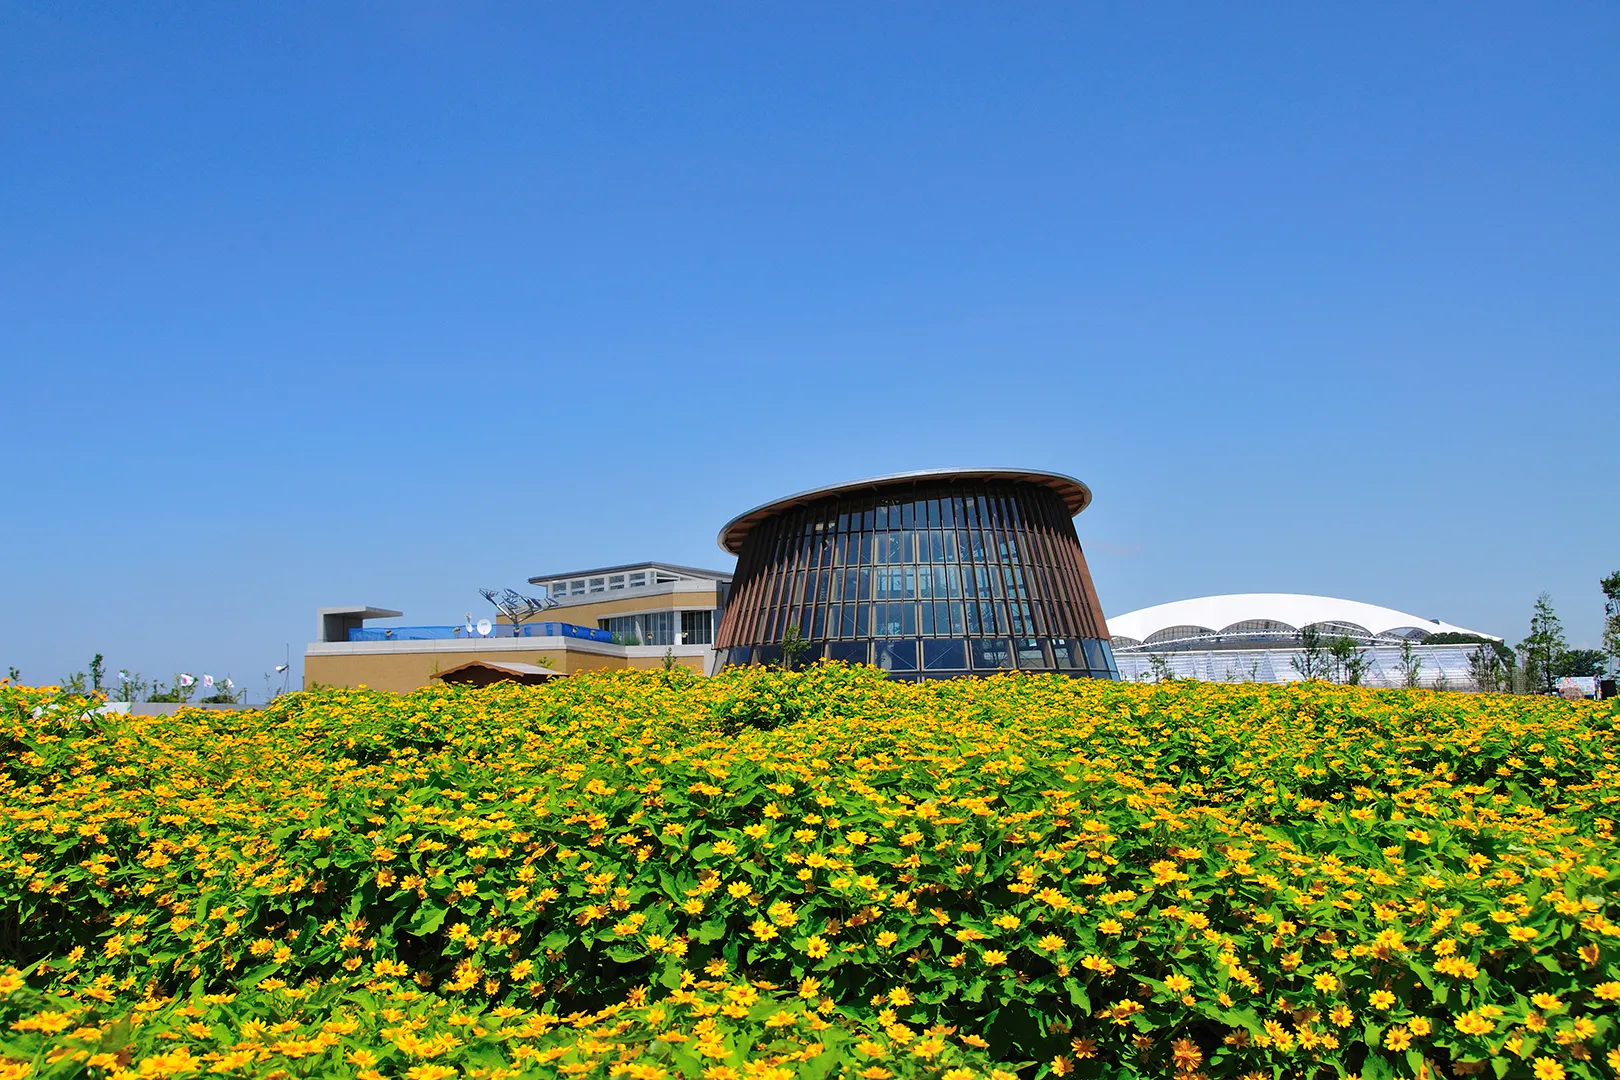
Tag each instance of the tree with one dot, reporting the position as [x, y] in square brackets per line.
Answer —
[1488, 671]
[1611, 615]
[1411, 665]
[131, 687]
[1161, 669]
[98, 668]
[1312, 661]
[1542, 647]
[1579, 662]
[793, 647]
[1348, 663]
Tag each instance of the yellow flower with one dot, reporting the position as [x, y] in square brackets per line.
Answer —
[993, 957]
[1178, 983]
[1548, 1069]
[816, 947]
[1381, 999]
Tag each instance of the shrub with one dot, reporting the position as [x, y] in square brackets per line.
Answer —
[1186, 879]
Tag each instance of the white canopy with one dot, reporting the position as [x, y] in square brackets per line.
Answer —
[1294, 610]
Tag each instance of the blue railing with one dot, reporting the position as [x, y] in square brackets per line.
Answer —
[499, 630]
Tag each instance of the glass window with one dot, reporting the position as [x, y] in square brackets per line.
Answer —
[990, 654]
[908, 618]
[900, 547]
[1032, 654]
[740, 657]
[768, 654]
[847, 628]
[865, 591]
[1095, 659]
[895, 655]
[926, 624]
[850, 652]
[908, 515]
[958, 623]
[972, 611]
[939, 655]
[933, 513]
[624, 629]
[659, 627]
[862, 612]
[697, 627]
[1066, 652]
[598, 584]
[638, 579]
[616, 581]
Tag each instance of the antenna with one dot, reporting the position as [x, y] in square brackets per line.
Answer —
[516, 606]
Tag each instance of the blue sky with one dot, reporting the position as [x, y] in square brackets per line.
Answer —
[309, 304]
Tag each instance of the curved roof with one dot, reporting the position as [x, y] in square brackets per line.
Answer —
[1075, 495]
[1215, 613]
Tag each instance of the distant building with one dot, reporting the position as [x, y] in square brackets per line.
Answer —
[931, 574]
[1255, 637]
[615, 617]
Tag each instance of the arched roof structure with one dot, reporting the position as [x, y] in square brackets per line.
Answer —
[1075, 495]
[1279, 611]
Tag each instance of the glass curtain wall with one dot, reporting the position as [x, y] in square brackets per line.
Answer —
[935, 578]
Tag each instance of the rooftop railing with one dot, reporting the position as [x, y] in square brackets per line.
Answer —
[499, 630]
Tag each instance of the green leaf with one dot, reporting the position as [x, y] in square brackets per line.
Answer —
[429, 917]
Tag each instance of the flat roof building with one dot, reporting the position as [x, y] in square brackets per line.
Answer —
[929, 574]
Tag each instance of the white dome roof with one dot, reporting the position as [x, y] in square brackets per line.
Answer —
[1294, 610]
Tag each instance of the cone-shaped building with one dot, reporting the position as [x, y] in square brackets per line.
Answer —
[927, 574]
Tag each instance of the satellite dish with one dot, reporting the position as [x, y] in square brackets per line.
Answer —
[484, 628]
[281, 668]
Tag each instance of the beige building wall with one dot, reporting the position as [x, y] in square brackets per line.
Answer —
[399, 669]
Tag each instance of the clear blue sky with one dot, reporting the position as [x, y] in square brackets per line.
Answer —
[308, 304]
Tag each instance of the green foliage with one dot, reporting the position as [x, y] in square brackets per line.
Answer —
[1611, 614]
[1109, 879]
[1587, 662]
[1542, 646]
[1312, 660]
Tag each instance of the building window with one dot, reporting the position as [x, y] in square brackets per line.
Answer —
[577, 586]
[638, 579]
[624, 629]
[616, 581]
[697, 627]
[598, 584]
[660, 628]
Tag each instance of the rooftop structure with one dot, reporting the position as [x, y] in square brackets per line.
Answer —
[938, 573]
[1255, 637]
[1261, 619]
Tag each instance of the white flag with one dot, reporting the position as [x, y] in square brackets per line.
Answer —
[208, 682]
[186, 680]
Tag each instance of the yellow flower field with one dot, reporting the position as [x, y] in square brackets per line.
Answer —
[653, 875]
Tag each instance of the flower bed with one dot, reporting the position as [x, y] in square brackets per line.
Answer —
[813, 874]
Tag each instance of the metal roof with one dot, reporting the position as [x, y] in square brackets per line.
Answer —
[600, 571]
[1296, 610]
[1075, 495]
